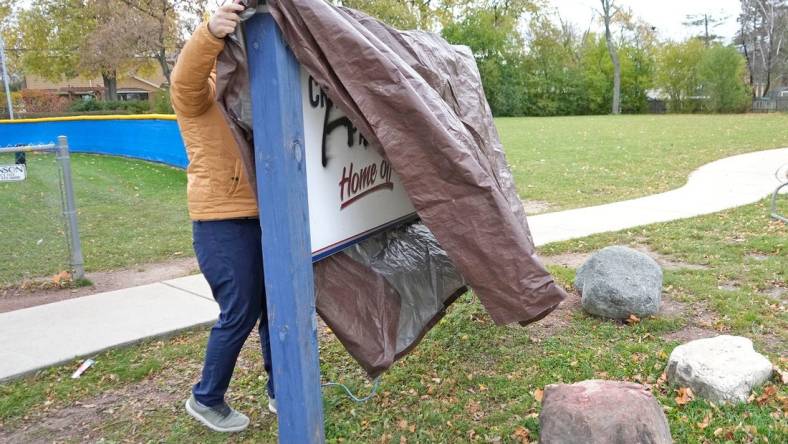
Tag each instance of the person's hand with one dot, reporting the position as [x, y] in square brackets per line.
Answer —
[225, 19]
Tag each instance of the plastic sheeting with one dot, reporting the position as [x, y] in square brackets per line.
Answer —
[420, 102]
[411, 261]
[381, 296]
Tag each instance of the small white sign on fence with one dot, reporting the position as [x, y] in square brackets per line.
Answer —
[13, 173]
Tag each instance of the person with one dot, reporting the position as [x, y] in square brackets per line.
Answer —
[226, 228]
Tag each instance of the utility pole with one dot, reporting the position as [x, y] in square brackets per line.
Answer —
[708, 23]
[5, 79]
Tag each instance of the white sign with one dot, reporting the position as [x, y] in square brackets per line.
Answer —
[353, 191]
[13, 173]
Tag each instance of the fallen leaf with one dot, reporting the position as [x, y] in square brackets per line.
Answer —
[633, 319]
[783, 375]
[60, 278]
[705, 423]
[521, 434]
[768, 393]
[538, 395]
[473, 407]
[685, 395]
[402, 424]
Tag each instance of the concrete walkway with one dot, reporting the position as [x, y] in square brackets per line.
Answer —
[47, 335]
[728, 183]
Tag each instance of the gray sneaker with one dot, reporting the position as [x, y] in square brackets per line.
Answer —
[220, 418]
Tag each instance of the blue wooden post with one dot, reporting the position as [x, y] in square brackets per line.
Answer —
[284, 216]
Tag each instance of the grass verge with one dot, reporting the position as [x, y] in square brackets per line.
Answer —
[469, 381]
[572, 162]
[129, 212]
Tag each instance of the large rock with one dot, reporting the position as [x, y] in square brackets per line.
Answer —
[602, 412]
[618, 281]
[724, 368]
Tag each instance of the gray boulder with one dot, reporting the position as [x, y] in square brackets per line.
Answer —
[720, 369]
[602, 412]
[618, 281]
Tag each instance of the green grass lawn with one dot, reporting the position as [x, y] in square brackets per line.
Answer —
[572, 162]
[129, 212]
[469, 380]
[133, 212]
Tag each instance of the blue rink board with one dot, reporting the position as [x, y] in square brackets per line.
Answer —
[156, 140]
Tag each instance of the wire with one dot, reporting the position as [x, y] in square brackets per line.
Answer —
[375, 386]
[782, 173]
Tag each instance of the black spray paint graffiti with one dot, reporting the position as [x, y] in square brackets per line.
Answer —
[355, 183]
[318, 99]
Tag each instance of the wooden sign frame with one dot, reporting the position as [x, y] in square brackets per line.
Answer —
[280, 158]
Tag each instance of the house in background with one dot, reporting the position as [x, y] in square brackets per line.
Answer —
[130, 87]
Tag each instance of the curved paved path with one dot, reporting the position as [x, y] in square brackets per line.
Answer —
[39, 337]
[721, 185]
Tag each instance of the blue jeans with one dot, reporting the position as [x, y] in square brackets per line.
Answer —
[230, 258]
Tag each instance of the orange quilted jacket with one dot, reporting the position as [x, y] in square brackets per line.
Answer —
[217, 186]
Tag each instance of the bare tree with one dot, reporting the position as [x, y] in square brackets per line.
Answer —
[763, 29]
[609, 9]
[170, 17]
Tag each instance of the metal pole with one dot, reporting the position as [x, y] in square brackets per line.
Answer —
[29, 148]
[70, 208]
[5, 79]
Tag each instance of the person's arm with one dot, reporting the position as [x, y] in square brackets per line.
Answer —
[192, 83]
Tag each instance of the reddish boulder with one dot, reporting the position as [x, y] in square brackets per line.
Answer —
[602, 412]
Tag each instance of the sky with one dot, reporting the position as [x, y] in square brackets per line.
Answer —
[666, 15]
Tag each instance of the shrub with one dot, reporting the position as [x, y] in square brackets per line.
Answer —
[130, 106]
[85, 105]
[161, 102]
[16, 102]
[43, 102]
[722, 72]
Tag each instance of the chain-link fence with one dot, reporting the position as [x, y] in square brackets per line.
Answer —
[35, 230]
[770, 105]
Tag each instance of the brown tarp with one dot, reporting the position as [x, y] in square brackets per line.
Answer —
[420, 101]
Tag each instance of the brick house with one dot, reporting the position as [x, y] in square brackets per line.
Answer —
[131, 87]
